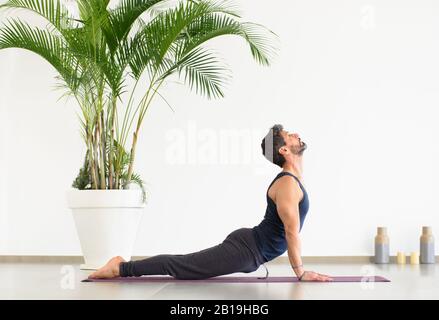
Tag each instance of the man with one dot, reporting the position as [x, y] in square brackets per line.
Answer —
[245, 249]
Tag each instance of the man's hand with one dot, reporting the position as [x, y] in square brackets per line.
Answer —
[314, 276]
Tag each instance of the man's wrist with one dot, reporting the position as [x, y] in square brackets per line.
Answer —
[298, 270]
[301, 276]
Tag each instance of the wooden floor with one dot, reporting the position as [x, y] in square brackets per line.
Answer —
[60, 281]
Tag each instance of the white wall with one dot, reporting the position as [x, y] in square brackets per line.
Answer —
[359, 80]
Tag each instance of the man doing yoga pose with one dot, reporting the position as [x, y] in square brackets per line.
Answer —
[244, 249]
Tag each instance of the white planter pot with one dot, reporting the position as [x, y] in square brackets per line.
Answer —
[106, 222]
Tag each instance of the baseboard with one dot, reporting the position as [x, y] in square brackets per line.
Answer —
[278, 260]
[41, 259]
[339, 259]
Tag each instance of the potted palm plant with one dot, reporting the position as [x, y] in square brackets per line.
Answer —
[106, 58]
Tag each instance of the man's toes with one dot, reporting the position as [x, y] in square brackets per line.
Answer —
[94, 274]
[117, 259]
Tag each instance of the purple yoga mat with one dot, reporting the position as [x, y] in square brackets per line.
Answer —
[230, 279]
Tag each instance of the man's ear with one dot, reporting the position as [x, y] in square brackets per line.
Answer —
[283, 150]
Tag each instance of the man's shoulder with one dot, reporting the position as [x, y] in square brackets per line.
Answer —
[288, 185]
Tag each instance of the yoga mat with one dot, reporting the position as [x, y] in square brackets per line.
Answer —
[230, 279]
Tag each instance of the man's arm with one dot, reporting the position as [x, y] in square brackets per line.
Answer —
[287, 204]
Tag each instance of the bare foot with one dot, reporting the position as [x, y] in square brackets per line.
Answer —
[110, 270]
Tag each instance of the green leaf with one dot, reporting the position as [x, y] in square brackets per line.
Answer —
[53, 11]
[261, 42]
[152, 46]
[17, 34]
[123, 17]
[204, 72]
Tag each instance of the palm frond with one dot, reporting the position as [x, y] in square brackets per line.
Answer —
[203, 72]
[122, 18]
[17, 34]
[172, 35]
[135, 178]
[92, 10]
[115, 68]
[262, 42]
[83, 179]
[151, 45]
[227, 7]
[52, 10]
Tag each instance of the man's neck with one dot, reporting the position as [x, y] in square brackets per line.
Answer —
[294, 167]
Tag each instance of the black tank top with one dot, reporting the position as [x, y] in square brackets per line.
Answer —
[270, 233]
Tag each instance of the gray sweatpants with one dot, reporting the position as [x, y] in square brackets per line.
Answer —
[237, 253]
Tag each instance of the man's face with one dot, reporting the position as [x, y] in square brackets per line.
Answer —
[293, 142]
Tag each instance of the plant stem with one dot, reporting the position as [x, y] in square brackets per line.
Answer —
[95, 150]
[139, 122]
[135, 135]
[132, 155]
[103, 150]
[110, 159]
[117, 180]
[94, 182]
[127, 113]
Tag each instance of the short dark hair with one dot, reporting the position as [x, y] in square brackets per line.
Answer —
[271, 144]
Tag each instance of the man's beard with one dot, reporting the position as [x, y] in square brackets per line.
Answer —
[299, 150]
